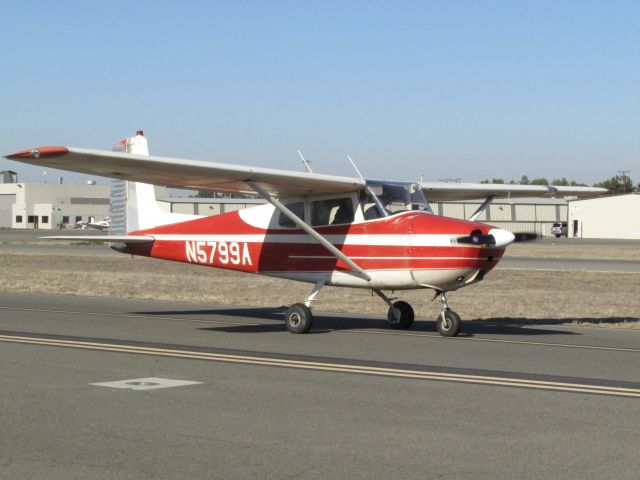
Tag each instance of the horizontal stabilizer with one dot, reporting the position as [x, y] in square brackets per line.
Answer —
[131, 239]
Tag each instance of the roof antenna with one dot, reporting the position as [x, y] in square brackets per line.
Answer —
[307, 163]
[354, 166]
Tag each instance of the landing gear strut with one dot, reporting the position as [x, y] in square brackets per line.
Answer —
[448, 322]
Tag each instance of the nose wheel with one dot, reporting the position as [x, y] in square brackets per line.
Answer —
[448, 322]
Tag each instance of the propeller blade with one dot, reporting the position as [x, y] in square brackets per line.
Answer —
[525, 237]
[477, 238]
[496, 237]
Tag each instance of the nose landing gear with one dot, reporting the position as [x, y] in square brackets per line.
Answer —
[448, 322]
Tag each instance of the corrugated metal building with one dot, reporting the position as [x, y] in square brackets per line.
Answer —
[206, 206]
[615, 216]
[535, 215]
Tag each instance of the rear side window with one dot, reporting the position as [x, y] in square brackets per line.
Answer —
[335, 211]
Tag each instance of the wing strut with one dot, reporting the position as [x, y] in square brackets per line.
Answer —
[482, 208]
[307, 228]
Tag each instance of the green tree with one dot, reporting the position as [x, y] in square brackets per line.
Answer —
[617, 184]
[524, 180]
[540, 181]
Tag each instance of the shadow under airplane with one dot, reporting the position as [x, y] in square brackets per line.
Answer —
[270, 319]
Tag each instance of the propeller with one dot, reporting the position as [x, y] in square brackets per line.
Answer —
[477, 238]
[496, 237]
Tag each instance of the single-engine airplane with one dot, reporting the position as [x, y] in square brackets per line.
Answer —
[102, 225]
[322, 229]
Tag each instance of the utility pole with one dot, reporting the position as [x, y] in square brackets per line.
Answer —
[624, 174]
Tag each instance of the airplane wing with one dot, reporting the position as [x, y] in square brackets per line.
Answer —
[188, 174]
[443, 191]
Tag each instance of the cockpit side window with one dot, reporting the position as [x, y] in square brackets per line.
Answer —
[297, 208]
[371, 206]
[393, 197]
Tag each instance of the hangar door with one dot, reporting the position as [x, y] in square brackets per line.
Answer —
[6, 204]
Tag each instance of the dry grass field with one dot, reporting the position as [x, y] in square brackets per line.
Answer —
[505, 295]
[572, 250]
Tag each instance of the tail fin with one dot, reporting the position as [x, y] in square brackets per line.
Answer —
[133, 204]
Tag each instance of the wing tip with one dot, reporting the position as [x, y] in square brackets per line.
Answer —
[38, 153]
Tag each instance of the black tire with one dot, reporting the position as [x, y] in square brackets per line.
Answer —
[557, 236]
[406, 316]
[450, 325]
[298, 318]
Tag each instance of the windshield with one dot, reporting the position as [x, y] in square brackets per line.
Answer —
[381, 199]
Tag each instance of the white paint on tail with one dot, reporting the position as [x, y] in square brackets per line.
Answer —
[133, 204]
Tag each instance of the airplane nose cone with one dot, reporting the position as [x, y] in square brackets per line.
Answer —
[503, 237]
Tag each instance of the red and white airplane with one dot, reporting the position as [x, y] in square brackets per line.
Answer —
[322, 229]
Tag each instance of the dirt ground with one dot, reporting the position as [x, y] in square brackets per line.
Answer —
[505, 295]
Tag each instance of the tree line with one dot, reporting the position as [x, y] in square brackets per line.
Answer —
[616, 184]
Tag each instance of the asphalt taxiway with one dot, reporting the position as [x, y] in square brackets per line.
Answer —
[350, 400]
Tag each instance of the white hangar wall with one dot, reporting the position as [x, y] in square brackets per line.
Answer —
[51, 206]
[616, 217]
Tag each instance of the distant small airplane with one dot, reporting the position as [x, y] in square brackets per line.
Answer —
[101, 225]
[323, 229]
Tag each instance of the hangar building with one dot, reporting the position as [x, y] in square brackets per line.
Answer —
[50, 205]
[615, 216]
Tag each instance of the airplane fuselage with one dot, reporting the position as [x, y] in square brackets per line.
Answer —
[407, 250]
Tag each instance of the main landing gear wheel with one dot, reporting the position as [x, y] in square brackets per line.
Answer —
[448, 323]
[298, 318]
[400, 315]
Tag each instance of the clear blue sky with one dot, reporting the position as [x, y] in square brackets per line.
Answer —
[447, 89]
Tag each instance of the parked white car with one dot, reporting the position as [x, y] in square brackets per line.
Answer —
[559, 229]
